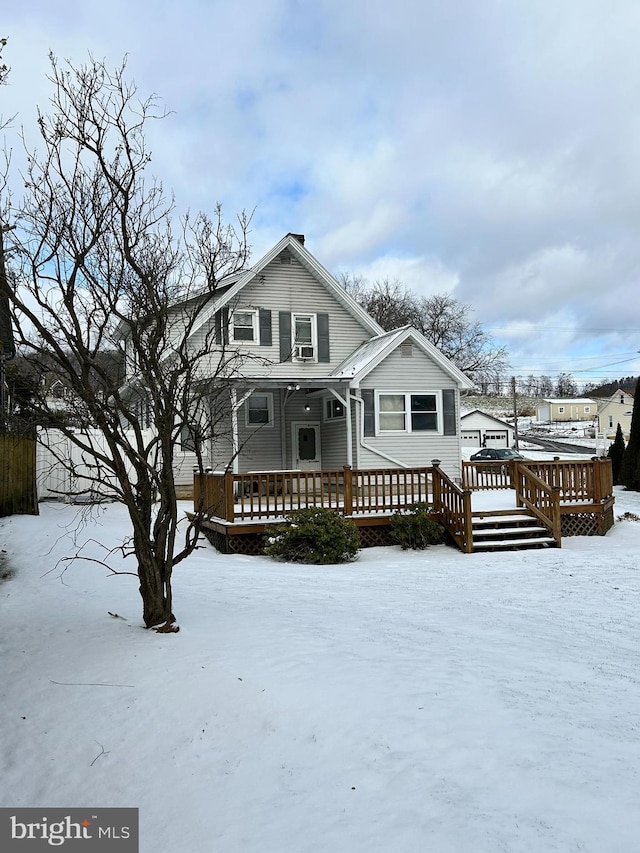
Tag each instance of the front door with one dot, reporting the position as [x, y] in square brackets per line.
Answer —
[306, 446]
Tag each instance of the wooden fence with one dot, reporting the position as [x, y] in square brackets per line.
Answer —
[18, 476]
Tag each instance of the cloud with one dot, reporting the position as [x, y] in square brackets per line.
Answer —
[484, 149]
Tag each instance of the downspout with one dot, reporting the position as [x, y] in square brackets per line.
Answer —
[368, 447]
[235, 443]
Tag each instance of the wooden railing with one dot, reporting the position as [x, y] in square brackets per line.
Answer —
[481, 476]
[581, 481]
[453, 506]
[540, 498]
[272, 494]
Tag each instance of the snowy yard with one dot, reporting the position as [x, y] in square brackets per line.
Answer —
[407, 702]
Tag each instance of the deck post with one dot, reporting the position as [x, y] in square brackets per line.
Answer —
[597, 480]
[229, 508]
[435, 484]
[348, 490]
[468, 525]
[557, 525]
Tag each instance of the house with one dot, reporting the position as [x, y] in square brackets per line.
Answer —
[615, 410]
[320, 384]
[478, 429]
[578, 409]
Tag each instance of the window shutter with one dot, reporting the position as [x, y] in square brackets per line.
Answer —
[368, 397]
[285, 335]
[265, 327]
[323, 337]
[449, 411]
[221, 321]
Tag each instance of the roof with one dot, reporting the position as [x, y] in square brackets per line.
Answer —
[368, 355]
[572, 401]
[486, 415]
[293, 243]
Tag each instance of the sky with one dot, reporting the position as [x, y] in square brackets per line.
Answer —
[482, 149]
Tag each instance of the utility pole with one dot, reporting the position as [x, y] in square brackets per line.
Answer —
[515, 411]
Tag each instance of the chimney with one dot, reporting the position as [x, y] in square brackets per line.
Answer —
[299, 237]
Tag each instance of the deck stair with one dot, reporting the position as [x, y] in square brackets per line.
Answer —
[509, 530]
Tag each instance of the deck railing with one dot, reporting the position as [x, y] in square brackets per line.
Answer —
[581, 481]
[453, 505]
[272, 494]
[539, 498]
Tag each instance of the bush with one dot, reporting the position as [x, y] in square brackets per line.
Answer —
[414, 527]
[314, 535]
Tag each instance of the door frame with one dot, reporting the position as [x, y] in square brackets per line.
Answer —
[295, 426]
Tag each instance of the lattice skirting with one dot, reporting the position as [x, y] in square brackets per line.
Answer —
[587, 523]
[252, 544]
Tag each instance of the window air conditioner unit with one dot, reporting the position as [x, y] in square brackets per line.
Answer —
[303, 353]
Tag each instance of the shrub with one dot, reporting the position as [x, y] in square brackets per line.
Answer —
[415, 527]
[314, 535]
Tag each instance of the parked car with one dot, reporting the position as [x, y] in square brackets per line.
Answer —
[496, 454]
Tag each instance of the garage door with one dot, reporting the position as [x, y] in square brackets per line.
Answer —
[471, 437]
[497, 438]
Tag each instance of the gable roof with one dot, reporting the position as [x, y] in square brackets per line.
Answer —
[464, 415]
[571, 400]
[293, 243]
[369, 355]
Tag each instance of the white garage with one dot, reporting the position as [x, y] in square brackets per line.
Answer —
[478, 429]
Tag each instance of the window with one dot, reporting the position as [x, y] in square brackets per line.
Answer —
[610, 421]
[409, 412]
[303, 331]
[561, 410]
[190, 438]
[334, 409]
[244, 327]
[622, 399]
[259, 410]
[587, 410]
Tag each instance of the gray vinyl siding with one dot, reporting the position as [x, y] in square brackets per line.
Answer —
[417, 373]
[291, 288]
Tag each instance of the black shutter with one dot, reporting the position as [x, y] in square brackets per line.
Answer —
[323, 337]
[285, 335]
[265, 327]
[368, 396]
[449, 411]
[221, 321]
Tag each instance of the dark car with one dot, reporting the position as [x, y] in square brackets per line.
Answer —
[496, 454]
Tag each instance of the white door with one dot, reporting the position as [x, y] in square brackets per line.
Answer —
[470, 437]
[305, 444]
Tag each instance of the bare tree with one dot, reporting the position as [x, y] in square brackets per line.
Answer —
[566, 386]
[99, 261]
[445, 322]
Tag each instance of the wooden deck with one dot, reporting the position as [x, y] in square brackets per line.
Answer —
[565, 497]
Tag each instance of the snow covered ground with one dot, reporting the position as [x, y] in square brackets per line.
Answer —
[407, 702]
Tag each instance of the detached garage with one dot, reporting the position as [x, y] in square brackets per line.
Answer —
[478, 429]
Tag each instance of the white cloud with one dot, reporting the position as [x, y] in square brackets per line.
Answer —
[486, 149]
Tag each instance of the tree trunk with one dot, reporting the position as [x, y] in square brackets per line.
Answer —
[155, 589]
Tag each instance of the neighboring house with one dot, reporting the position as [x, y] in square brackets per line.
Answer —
[478, 429]
[323, 385]
[615, 410]
[579, 409]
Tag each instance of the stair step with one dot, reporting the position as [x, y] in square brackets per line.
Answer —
[514, 543]
[502, 531]
[501, 519]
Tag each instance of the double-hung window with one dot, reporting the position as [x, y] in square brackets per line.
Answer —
[259, 410]
[304, 334]
[409, 412]
[244, 327]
